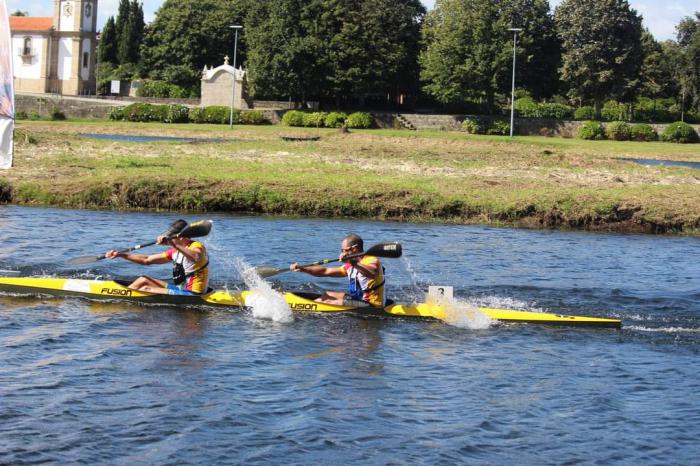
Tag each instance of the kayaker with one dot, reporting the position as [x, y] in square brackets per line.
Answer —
[190, 267]
[366, 275]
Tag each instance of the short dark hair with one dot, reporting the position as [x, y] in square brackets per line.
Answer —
[354, 240]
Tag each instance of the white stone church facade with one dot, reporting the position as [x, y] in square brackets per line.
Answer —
[56, 54]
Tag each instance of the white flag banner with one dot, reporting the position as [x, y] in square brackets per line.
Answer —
[7, 94]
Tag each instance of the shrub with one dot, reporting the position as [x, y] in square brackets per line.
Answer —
[554, 110]
[253, 117]
[680, 132]
[359, 120]
[117, 113]
[473, 126]
[35, 116]
[614, 111]
[335, 119]
[618, 131]
[499, 127]
[154, 89]
[315, 119]
[643, 132]
[176, 114]
[646, 109]
[293, 118]
[526, 107]
[138, 112]
[21, 115]
[218, 114]
[162, 89]
[584, 113]
[198, 115]
[591, 130]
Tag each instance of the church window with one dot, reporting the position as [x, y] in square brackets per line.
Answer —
[88, 10]
[27, 49]
[86, 59]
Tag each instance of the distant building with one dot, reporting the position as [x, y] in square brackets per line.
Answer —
[56, 54]
[217, 86]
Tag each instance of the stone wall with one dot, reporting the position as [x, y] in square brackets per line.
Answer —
[75, 107]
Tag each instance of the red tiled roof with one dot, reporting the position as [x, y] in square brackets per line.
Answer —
[30, 23]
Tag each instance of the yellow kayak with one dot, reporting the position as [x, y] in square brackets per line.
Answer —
[298, 302]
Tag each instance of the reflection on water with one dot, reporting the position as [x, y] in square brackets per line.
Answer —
[108, 382]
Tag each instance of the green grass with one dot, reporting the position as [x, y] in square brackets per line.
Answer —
[403, 175]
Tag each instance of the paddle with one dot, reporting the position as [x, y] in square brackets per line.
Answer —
[178, 229]
[387, 250]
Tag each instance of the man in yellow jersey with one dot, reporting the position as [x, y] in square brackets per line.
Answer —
[190, 267]
[366, 275]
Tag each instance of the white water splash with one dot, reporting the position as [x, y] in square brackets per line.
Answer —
[462, 314]
[265, 302]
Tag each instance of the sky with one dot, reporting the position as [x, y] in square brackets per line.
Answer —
[660, 17]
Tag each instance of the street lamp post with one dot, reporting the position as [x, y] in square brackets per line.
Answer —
[512, 91]
[233, 78]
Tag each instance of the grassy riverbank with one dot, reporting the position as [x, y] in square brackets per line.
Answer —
[388, 174]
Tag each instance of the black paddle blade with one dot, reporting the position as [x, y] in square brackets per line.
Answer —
[176, 227]
[196, 229]
[389, 250]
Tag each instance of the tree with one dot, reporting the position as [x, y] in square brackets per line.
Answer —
[371, 45]
[190, 35]
[688, 35]
[107, 48]
[283, 53]
[129, 32]
[468, 49]
[122, 18]
[20, 13]
[333, 49]
[602, 50]
[657, 75]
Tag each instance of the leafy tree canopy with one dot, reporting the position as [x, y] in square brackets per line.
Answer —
[187, 35]
[468, 49]
[602, 51]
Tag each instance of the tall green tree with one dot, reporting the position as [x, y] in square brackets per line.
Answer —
[185, 36]
[123, 13]
[107, 48]
[468, 49]
[657, 78]
[602, 49]
[372, 45]
[333, 49]
[688, 35]
[130, 36]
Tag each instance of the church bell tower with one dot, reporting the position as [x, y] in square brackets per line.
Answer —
[73, 61]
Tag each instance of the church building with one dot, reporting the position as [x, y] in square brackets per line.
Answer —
[56, 54]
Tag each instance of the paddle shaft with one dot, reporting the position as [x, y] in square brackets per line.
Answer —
[193, 230]
[391, 250]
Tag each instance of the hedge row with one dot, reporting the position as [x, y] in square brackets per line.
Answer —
[328, 120]
[483, 126]
[174, 113]
[621, 131]
[643, 110]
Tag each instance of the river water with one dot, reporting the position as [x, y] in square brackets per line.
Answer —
[87, 382]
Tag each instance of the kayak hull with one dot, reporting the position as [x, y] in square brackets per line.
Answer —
[298, 302]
